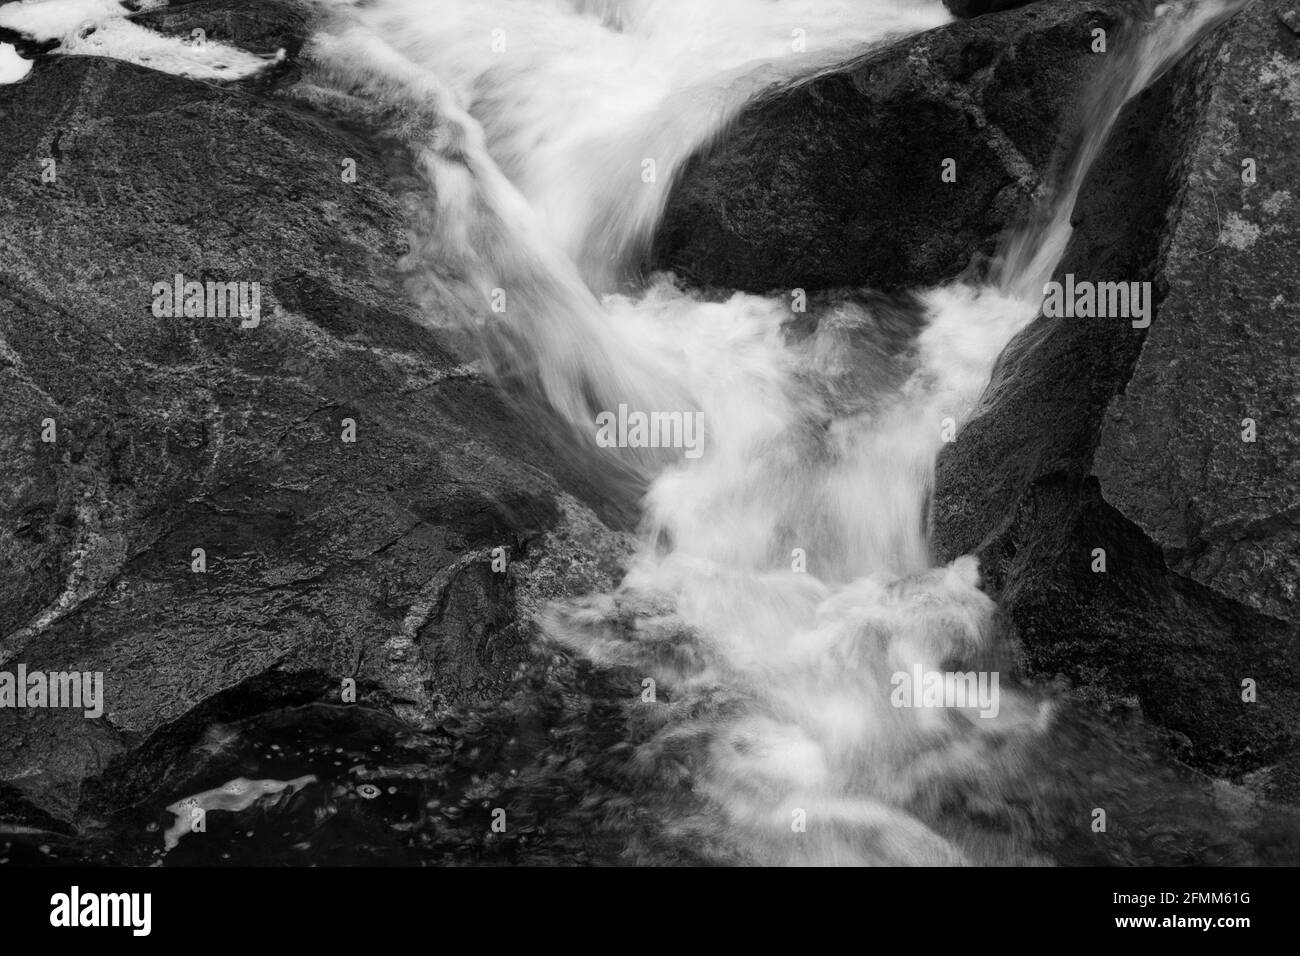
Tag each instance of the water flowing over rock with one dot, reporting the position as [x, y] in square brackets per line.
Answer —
[1099, 435]
[837, 181]
[358, 563]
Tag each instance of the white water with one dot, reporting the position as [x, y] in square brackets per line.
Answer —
[780, 677]
[102, 28]
[531, 121]
[12, 66]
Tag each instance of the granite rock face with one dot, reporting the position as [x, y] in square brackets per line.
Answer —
[839, 181]
[1175, 448]
[977, 8]
[129, 440]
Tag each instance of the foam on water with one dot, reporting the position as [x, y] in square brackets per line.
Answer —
[12, 66]
[820, 449]
[785, 577]
[101, 28]
[233, 796]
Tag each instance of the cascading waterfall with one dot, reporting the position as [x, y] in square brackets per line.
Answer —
[785, 578]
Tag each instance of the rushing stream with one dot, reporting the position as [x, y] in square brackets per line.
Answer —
[824, 693]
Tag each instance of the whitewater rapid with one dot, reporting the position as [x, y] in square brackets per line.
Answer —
[785, 578]
[785, 586]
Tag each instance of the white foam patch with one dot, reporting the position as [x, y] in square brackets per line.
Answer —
[101, 28]
[45, 20]
[12, 66]
[234, 796]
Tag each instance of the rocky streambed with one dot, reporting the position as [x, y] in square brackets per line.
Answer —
[380, 528]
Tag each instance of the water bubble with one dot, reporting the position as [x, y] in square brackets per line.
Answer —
[368, 791]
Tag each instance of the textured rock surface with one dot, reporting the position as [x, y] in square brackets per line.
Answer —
[323, 557]
[976, 8]
[372, 560]
[1105, 436]
[836, 182]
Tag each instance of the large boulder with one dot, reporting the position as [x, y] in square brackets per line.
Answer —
[1173, 449]
[838, 181]
[129, 440]
[977, 8]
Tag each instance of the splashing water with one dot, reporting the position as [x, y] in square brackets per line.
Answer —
[785, 581]
[536, 155]
[784, 600]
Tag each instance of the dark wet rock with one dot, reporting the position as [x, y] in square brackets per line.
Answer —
[249, 24]
[836, 182]
[977, 8]
[1106, 436]
[180, 433]
[18, 812]
[374, 560]
[26, 47]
